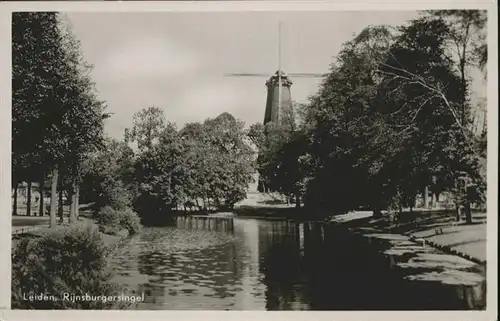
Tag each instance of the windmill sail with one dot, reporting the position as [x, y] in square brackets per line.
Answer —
[279, 68]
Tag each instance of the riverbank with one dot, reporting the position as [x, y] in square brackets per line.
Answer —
[435, 227]
[68, 258]
[426, 250]
[266, 206]
[39, 228]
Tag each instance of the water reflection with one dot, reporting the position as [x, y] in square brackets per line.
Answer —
[252, 265]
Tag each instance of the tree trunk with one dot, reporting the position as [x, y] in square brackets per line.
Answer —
[426, 197]
[28, 202]
[77, 201]
[463, 61]
[468, 213]
[71, 197]
[464, 93]
[41, 188]
[60, 210]
[457, 202]
[297, 200]
[53, 198]
[14, 203]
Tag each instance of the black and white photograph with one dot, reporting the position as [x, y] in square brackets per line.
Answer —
[250, 160]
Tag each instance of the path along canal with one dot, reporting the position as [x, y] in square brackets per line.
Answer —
[254, 264]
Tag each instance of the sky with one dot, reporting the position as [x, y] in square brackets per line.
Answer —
[179, 61]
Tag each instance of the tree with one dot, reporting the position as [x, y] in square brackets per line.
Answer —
[419, 111]
[256, 135]
[108, 181]
[37, 82]
[161, 173]
[467, 39]
[231, 159]
[84, 121]
[149, 124]
[208, 165]
[341, 126]
[55, 113]
[282, 149]
[443, 132]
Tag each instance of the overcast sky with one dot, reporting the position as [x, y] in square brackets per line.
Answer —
[177, 61]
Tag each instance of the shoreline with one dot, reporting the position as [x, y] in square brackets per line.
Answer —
[423, 264]
[110, 241]
[426, 248]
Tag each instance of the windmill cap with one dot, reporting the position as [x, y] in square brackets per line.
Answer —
[285, 81]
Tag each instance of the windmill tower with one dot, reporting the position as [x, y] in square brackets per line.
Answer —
[279, 96]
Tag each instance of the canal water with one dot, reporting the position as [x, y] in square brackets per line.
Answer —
[252, 264]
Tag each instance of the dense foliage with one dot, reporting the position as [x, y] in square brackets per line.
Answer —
[57, 120]
[70, 261]
[391, 122]
[203, 166]
[114, 222]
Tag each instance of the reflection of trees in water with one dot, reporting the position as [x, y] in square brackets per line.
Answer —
[266, 267]
[209, 269]
[319, 278]
[352, 275]
[281, 265]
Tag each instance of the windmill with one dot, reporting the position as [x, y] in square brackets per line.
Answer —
[278, 86]
[278, 95]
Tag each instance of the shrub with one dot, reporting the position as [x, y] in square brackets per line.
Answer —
[113, 221]
[109, 221]
[130, 221]
[70, 261]
[114, 194]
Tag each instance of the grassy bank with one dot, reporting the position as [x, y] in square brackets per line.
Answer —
[72, 259]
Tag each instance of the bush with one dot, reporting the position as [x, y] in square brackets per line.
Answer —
[113, 221]
[109, 221]
[130, 221]
[113, 194]
[70, 261]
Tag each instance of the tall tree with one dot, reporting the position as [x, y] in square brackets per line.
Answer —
[37, 82]
[420, 65]
[340, 121]
[51, 98]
